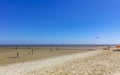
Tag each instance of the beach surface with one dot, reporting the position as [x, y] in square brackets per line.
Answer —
[8, 55]
[66, 62]
[37, 67]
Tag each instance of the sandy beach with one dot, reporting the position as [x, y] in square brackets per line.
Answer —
[31, 67]
[65, 62]
[8, 54]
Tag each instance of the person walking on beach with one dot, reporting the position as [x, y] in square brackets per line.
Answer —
[32, 51]
[57, 48]
[16, 47]
[17, 56]
[51, 49]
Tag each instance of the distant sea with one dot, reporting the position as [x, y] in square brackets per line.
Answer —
[41, 45]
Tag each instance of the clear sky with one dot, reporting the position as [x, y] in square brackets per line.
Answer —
[60, 21]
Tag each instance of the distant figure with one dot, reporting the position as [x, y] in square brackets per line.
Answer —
[106, 48]
[32, 51]
[51, 49]
[17, 55]
[57, 48]
[16, 47]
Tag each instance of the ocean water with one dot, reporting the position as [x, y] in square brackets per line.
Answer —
[46, 45]
[59, 46]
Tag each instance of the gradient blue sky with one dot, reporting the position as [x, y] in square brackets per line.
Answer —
[60, 21]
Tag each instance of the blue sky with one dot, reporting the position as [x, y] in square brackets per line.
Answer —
[60, 21]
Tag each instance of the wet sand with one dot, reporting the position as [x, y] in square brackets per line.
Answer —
[8, 54]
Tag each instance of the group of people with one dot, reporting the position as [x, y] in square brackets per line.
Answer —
[29, 52]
